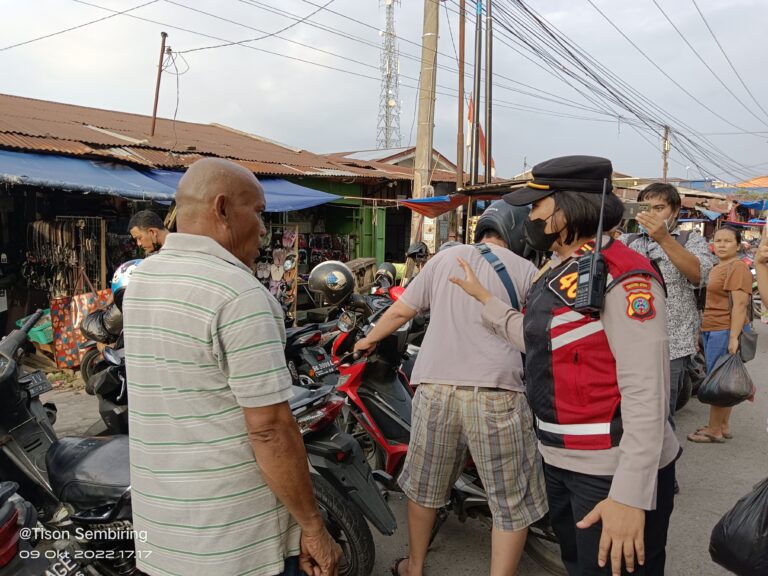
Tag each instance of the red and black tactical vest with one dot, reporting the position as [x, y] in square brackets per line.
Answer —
[570, 371]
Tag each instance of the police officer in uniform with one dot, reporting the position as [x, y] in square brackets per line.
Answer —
[598, 384]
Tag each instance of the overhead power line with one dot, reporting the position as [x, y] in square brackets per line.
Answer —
[717, 77]
[660, 69]
[523, 29]
[269, 35]
[83, 25]
[499, 103]
[712, 32]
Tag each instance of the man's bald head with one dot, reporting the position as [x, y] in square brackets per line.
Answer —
[224, 201]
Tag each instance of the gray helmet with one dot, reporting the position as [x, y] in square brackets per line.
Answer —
[417, 251]
[334, 280]
[386, 273]
[507, 221]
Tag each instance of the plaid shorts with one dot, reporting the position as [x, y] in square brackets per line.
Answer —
[496, 428]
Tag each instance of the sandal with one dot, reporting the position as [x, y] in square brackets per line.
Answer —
[704, 438]
[726, 435]
[396, 566]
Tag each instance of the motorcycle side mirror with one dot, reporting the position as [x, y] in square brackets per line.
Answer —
[347, 321]
[113, 357]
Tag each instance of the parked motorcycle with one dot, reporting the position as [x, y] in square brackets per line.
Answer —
[110, 386]
[379, 398]
[77, 485]
[82, 484]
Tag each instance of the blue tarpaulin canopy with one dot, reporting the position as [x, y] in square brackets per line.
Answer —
[281, 195]
[755, 205]
[712, 215]
[97, 177]
[80, 175]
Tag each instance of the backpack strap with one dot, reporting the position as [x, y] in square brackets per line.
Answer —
[501, 270]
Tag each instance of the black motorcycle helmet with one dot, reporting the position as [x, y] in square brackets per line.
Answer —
[417, 251]
[386, 275]
[333, 280]
[507, 221]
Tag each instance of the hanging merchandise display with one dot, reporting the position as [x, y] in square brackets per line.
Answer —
[277, 267]
[58, 251]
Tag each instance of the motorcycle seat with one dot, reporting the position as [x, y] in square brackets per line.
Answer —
[292, 333]
[89, 472]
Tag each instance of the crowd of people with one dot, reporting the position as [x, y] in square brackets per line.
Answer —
[566, 407]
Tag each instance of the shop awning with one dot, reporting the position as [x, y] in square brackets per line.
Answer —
[80, 175]
[433, 206]
[97, 177]
[709, 213]
[281, 195]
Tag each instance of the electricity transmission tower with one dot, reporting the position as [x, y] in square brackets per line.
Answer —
[389, 102]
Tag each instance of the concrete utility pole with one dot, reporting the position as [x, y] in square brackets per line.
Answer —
[421, 230]
[665, 153]
[163, 35]
[488, 91]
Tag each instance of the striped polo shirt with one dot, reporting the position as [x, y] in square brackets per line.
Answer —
[203, 339]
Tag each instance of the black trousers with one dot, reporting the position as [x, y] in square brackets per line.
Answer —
[572, 496]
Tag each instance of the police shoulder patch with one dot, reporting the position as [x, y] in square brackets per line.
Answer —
[640, 304]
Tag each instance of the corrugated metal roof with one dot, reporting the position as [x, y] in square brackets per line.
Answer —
[43, 144]
[43, 126]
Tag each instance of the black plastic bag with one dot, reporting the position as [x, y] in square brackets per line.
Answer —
[112, 320]
[728, 384]
[92, 327]
[739, 541]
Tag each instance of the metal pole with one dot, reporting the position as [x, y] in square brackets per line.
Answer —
[474, 172]
[665, 153]
[163, 35]
[488, 90]
[460, 133]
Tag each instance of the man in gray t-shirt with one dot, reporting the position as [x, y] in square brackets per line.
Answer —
[470, 397]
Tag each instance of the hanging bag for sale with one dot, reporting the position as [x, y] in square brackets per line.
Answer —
[728, 384]
[67, 314]
[739, 542]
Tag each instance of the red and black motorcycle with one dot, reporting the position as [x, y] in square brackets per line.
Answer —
[378, 414]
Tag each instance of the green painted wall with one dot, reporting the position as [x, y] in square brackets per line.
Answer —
[342, 218]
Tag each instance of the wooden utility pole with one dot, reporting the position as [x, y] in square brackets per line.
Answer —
[426, 113]
[665, 153]
[453, 225]
[163, 36]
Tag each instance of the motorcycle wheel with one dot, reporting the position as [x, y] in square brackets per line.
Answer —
[90, 364]
[543, 548]
[348, 528]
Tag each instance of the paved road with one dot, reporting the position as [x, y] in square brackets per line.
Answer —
[712, 478]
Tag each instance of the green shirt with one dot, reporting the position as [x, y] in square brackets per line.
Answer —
[203, 340]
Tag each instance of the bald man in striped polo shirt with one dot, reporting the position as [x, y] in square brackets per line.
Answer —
[218, 467]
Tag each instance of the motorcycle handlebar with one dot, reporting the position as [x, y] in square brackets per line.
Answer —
[354, 356]
[15, 340]
[30, 323]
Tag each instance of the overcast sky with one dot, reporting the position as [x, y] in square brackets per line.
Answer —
[112, 64]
